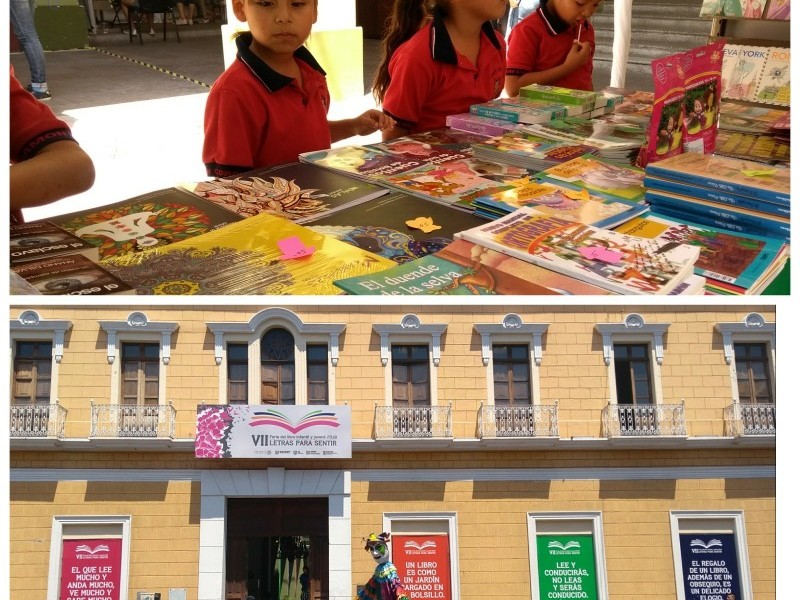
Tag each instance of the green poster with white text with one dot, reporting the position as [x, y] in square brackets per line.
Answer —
[566, 567]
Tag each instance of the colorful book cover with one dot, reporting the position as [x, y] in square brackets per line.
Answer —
[259, 255]
[523, 148]
[609, 138]
[734, 259]
[598, 176]
[703, 84]
[636, 107]
[365, 162]
[70, 275]
[154, 219]
[485, 126]
[768, 149]
[738, 176]
[778, 10]
[567, 204]
[773, 83]
[294, 191]
[434, 275]
[617, 262]
[745, 73]
[43, 239]
[398, 226]
[441, 183]
[721, 8]
[442, 140]
[587, 100]
[749, 118]
[522, 110]
[657, 184]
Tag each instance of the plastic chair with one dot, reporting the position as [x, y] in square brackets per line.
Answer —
[164, 7]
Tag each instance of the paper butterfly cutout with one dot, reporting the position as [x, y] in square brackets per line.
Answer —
[293, 247]
[602, 254]
[574, 195]
[758, 172]
[423, 223]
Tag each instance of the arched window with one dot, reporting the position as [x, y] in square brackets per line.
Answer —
[277, 367]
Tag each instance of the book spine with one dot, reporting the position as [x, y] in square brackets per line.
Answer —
[494, 113]
[716, 196]
[724, 186]
[746, 224]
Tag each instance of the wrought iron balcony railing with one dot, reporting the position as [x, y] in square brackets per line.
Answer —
[38, 420]
[518, 421]
[749, 419]
[130, 420]
[643, 420]
[413, 422]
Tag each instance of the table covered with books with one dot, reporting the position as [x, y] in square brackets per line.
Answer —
[535, 195]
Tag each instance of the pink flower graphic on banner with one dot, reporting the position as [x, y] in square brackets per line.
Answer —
[213, 427]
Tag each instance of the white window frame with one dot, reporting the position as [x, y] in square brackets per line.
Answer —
[634, 330]
[252, 331]
[56, 547]
[594, 521]
[711, 521]
[137, 328]
[512, 330]
[410, 330]
[392, 522]
[753, 329]
[31, 327]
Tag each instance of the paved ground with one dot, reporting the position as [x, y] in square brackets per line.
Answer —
[137, 109]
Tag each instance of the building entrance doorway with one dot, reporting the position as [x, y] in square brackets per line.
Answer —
[276, 549]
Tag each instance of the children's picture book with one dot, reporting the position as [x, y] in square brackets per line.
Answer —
[597, 176]
[722, 8]
[70, 275]
[636, 107]
[617, 262]
[259, 255]
[528, 150]
[665, 129]
[750, 118]
[485, 126]
[738, 176]
[744, 264]
[744, 73]
[703, 84]
[778, 10]
[586, 100]
[365, 162]
[617, 141]
[556, 201]
[398, 226]
[294, 191]
[434, 275]
[768, 149]
[153, 219]
[43, 239]
[773, 82]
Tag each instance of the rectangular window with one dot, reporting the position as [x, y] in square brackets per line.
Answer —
[317, 369]
[140, 368]
[635, 408]
[512, 375]
[237, 374]
[410, 376]
[32, 364]
[752, 373]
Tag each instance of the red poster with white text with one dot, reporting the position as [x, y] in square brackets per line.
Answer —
[423, 564]
[90, 569]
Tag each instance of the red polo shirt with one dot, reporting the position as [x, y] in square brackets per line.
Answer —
[430, 80]
[542, 41]
[255, 117]
[32, 124]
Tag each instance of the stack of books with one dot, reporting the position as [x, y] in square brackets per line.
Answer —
[474, 123]
[528, 150]
[614, 141]
[598, 176]
[617, 262]
[752, 132]
[733, 194]
[580, 102]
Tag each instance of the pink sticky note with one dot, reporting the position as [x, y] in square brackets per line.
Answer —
[292, 247]
[601, 253]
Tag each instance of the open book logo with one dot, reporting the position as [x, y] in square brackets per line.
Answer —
[276, 418]
[559, 546]
[420, 546]
[712, 543]
[86, 549]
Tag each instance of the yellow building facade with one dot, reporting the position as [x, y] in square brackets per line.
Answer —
[524, 452]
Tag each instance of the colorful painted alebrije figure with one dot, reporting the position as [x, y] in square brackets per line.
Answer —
[385, 583]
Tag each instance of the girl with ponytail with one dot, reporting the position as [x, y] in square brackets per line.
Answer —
[439, 57]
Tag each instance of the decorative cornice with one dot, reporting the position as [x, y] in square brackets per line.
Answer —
[632, 324]
[511, 325]
[136, 323]
[752, 326]
[410, 325]
[30, 321]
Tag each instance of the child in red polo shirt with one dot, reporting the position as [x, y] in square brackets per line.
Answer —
[272, 103]
[438, 64]
[553, 46]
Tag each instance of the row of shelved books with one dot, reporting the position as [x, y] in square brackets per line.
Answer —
[746, 9]
[300, 229]
[756, 74]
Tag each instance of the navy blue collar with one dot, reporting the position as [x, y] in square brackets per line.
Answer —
[270, 77]
[442, 48]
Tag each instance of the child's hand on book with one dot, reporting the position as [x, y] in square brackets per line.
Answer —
[371, 121]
